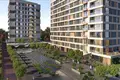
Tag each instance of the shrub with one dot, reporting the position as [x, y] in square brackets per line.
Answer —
[74, 65]
[20, 71]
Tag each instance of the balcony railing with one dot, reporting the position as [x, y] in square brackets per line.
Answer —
[95, 36]
[96, 4]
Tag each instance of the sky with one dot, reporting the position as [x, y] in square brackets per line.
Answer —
[45, 13]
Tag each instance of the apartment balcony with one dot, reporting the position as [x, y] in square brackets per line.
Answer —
[92, 28]
[96, 11]
[92, 42]
[96, 34]
[96, 20]
[91, 6]
[92, 20]
[93, 13]
[12, 0]
[95, 4]
[95, 42]
[85, 1]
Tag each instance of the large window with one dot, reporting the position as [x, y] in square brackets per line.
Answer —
[113, 34]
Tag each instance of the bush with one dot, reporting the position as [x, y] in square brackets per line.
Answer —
[20, 71]
[39, 68]
[73, 65]
[19, 68]
[103, 70]
[89, 73]
[80, 68]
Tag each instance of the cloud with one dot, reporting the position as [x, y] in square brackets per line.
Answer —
[4, 22]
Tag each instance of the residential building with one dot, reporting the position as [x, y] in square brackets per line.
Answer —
[24, 20]
[91, 26]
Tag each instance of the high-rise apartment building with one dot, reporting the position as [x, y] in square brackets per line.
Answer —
[24, 20]
[92, 26]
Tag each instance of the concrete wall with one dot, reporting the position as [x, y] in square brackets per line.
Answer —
[106, 61]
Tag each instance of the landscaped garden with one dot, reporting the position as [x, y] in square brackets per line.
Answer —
[95, 69]
[88, 68]
[19, 68]
[21, 62]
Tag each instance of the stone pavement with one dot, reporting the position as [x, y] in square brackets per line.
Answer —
[8, 68]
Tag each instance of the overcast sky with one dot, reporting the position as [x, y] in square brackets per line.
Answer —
[45, 13]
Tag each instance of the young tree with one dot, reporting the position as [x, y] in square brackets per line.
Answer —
[80, 68]
[20, 71]
[74, 65]
[37, 45]
[32, 45]
[18, 40]
[38, 67]
[56, 53]
[71, 53]
[22, 40]
[101, 71]
[16, 64]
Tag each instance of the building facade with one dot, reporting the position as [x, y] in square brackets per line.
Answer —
[92, 26]
[24, 20]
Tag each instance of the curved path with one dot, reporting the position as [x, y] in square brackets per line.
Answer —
[7, 66]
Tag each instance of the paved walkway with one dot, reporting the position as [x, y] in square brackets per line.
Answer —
[66, 68]
[8, 69]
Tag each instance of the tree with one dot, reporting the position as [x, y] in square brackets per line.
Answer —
[116, 60]
[22, 40]
[104, 70]
[16, 64]
[80, 68]
[20, 71]
[37, 45]
[39, 68]
[30, 40]
[88, 76]
[71, 53]
[74, 65]
[113, 69]
[47, 46]
[45, 35]
[101, 71]
[47, 70]
[2, 35]
[78, 55]
[56, 53]
[32, 45]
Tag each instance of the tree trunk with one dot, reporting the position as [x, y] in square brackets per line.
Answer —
[19, 78]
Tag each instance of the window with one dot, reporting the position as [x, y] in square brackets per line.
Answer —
[17, 32]
[17, 7]
[110, 18]
[118, 5]
[113, 34]
[118, 27]
[21, 24]
[112, 26]
[107, 18]
[106, 34]
[107, 26]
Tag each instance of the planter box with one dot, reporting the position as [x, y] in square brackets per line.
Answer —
[75, 71]
[57, 62]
